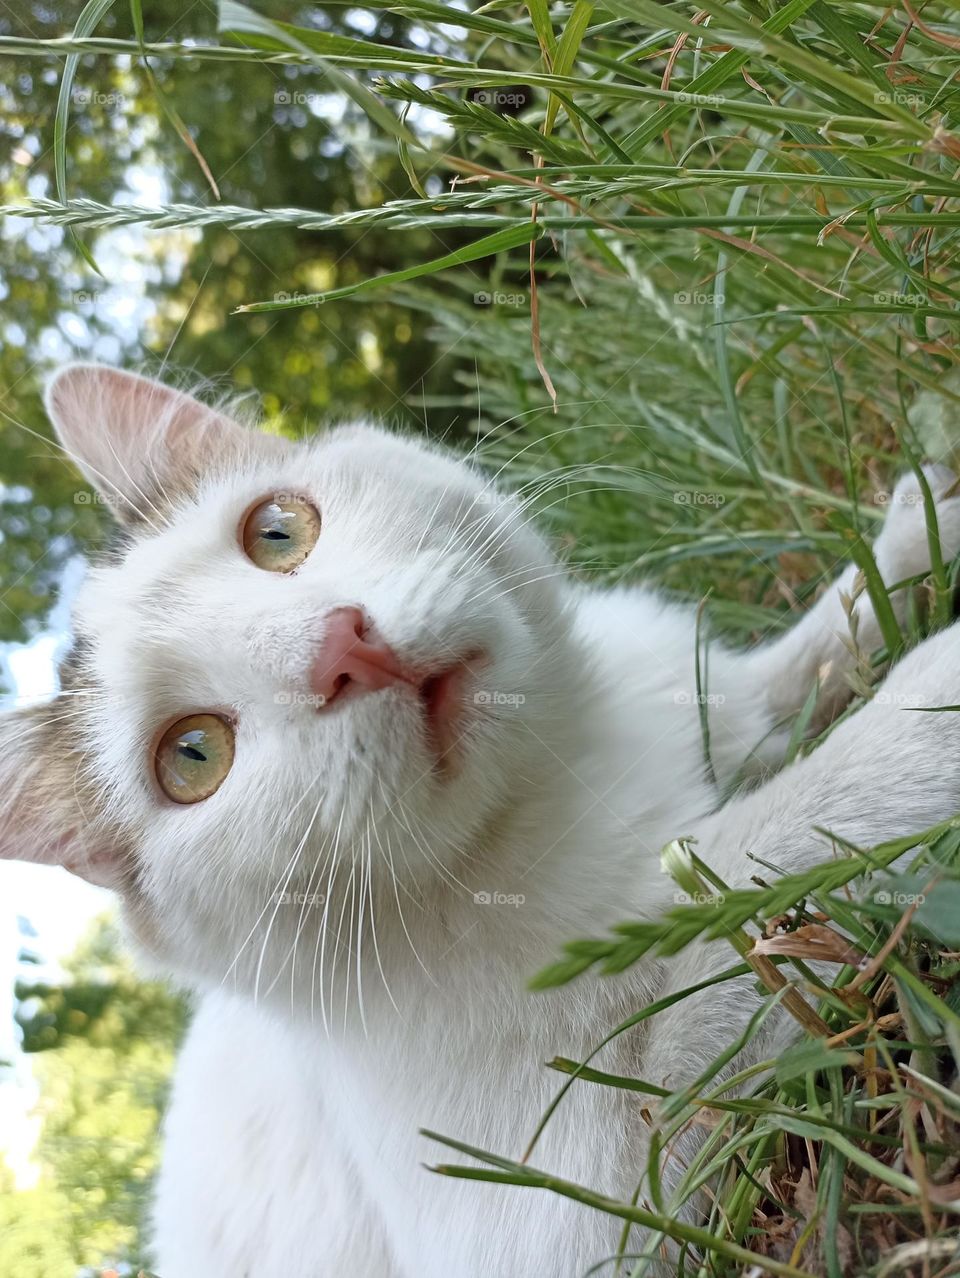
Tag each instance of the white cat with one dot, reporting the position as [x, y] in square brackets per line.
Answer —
[359, 756]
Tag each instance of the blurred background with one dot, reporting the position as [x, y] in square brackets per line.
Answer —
[642, 467]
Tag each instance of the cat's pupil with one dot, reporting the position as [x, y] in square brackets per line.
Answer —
[191, 752]
[274, 534]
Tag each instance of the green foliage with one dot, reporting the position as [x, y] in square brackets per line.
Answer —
[270, 131]
[102, 1002]
[31, 1242]
[850, 1088]
[102, 1093]
[749, 269]
[683, 924]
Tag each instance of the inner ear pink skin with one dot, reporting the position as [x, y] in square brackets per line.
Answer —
[102, 868]
[138, 441]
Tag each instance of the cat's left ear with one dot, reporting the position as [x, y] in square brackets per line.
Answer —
[44, 814]
[140, 443]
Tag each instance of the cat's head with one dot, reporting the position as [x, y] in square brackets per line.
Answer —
[309, 668]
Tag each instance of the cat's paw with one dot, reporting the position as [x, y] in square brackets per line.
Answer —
[902, 550]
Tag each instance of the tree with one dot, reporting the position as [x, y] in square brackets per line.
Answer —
[103, 1045]
[270, 134]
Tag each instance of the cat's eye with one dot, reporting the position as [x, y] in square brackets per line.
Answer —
[193, 757]
[279, 534]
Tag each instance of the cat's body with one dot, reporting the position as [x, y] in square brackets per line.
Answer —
[391, 834]
[463, 1050]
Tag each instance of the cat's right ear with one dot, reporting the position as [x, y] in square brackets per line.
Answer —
[46, 813]
[141, 444]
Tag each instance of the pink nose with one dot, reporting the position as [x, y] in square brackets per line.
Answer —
[349, 654]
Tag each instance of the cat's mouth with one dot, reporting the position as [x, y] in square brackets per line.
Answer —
[443, 694]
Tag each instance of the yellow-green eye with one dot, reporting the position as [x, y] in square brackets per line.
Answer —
[279, 534]
[193, 757]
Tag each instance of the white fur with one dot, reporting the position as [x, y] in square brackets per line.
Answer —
[328, 1034]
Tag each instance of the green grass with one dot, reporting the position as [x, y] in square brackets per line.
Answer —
[740, 324]
[815, 1158]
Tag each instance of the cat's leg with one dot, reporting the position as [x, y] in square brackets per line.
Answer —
[254, 1180]
[783, 673]
[884, 773]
